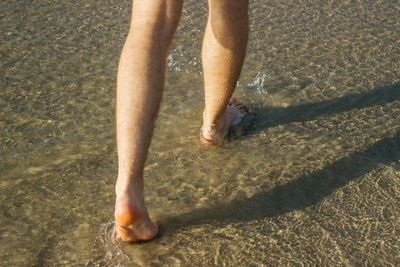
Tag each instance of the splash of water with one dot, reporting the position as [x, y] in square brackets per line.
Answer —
[258, 83]
[109, 249]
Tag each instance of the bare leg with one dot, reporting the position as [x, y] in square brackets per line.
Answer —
[139, 89]
[224, 47]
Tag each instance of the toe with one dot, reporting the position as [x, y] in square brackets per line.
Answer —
[244, 109]
[237, 104]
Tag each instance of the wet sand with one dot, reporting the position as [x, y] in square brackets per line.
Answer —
[314, 181]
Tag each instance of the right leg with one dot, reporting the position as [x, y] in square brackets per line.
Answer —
[140, 83]
[223, 52]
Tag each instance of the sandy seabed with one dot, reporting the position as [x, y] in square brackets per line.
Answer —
[314, 181]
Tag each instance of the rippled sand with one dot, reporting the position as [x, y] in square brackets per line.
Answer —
[314, 181]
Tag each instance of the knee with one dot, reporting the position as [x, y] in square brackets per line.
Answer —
[155, 19]
[231, 11]
[228, 21]
[228, 16]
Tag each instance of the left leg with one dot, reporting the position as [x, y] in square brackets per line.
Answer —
[139, 88]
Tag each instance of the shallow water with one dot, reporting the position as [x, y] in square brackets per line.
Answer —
[313, 181]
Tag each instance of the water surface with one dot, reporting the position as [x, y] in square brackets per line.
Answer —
[314, 181]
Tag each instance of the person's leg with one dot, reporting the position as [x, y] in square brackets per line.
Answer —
[139, 88]
[224, 48]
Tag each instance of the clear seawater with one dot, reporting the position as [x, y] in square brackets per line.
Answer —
[314, 180]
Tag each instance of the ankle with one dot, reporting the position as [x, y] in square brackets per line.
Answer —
[128, 187]
[213, 124]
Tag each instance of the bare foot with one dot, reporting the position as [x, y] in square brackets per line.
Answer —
[132, 221]
[234, 115]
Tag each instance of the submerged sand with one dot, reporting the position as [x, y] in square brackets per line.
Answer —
[314, 181]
